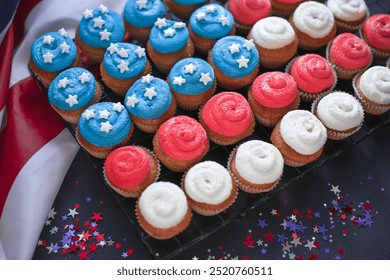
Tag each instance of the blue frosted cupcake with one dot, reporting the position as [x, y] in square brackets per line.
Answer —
[140, 16]
[72, 91]
[192, 82]
[168, 43]
[97, 29]
[103, 127]
[235, 61]
[52, 53]
[150, 103]
[122, 65]
[184, 8]
[208, 24]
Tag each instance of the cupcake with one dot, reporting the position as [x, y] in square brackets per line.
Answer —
[129, 170]
[180, 143]
[97, 29]
[284, 8]
[150, 103]
[52, 53]
[103, 127]
[271, 96]
[314, 76]
[349, 15]
[208, 24]
[227, 118]
[122, 65]
[140, 16]
[163, 211]
[247, 12]
[209, 187]
[257, 166]
[168, 43]
[300, 137]
[184, 8]
[73, 91]
[372, 88]
[192, 82]
[340, 113]
[235, 61]
[275, 40]
[376, 33]
[314, 25]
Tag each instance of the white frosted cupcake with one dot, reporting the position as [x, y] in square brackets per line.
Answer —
[257, 166]
[349, 14]
[209, 188]
[276, 41]
[341, 113]
[300, 137]
[163, 211]
[372, 88]
[314, 25]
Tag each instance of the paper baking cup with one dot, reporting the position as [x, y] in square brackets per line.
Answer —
[343, 27]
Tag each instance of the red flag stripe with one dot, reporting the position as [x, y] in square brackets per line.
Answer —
[6, 49]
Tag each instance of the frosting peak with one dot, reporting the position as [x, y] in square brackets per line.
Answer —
[347, 10]
[250, 11]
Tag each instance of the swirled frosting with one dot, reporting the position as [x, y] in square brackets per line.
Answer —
[274, 89]
[211, 21]
[303, 132]
[163, 204]
[347, 10]
[250, 11]
[339, 110]
[273, 33]
[235, 56]
[105, 124]
[168, 36]
[208, 182]
[191, 76]
[143, 14]
[124, 60]
[350, 52]
[375, 84]
[314, 19]
[290, 1]
[227, 113]
[148, 98]
[259, 162]
[313, 73]
[72, 89]
[182, 138]
[100, 27]
[189, 2]
[127, 167]
[377, 31]
[53, 52]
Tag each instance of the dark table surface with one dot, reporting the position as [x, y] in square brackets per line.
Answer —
[335, 208]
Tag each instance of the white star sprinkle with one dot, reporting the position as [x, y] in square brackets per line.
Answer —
[98, 22]
[147, 79]
[131, 101]
[160, 23]
[189, 68]
[179, 25]
[224, 20]
[63, 32]
[118, 107]
[123, 66]
[210, 9]
[310, 245]
[242, 62]
[84, 77]
[113, 48]
[51, 214]
[140, 52]
[103, 9]
[205, 78]
[105, 127]
[249, 44]
[63, 83]
[150, 93]
[88, 13]
[170, 32]
[123, 53]
[105, 35]
[48, 39]
[233, 48]
[89, 113]
[200, 15]
[64, 47]
[48, 57]
[296, 241]
[286, 247]
[72, 100]
[335, 189]
[179, 80]
[104, 114]
[141, 4]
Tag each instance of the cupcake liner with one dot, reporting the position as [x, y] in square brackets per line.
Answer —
[343, 27]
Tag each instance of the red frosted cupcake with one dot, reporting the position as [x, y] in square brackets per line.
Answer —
[314, 76]
[272, 95]
[349, 55]
[376, 33]
[227, 118]
[180, 143]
